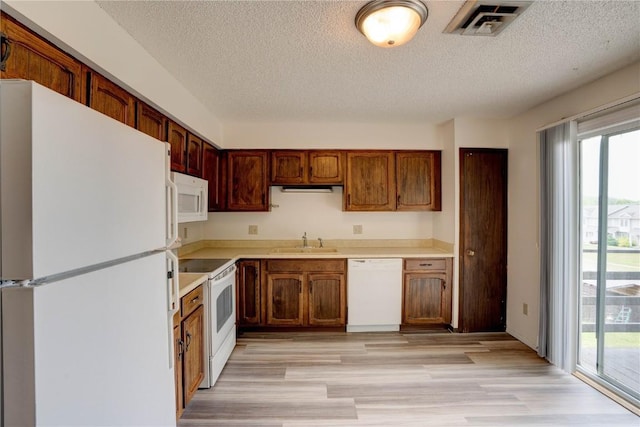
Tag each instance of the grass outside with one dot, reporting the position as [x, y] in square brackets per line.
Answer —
[613, 340]
[618, 261]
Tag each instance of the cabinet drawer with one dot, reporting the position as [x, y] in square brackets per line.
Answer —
[439, 264]
[289, 265]
[191, 301]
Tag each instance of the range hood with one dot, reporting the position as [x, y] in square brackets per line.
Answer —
[306, 189]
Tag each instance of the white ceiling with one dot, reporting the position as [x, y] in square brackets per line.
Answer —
[306, 61]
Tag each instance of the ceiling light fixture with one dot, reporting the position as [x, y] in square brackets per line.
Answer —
[389, 23]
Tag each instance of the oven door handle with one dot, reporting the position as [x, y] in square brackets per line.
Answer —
[228, 271]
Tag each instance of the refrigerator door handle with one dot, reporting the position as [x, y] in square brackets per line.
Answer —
[173, 299]
[172, 202]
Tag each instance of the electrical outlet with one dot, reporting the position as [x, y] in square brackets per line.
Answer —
[184, 233]
[525, 308]
[357, 229]
[253, 229]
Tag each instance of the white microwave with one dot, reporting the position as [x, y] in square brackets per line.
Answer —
[192, 197]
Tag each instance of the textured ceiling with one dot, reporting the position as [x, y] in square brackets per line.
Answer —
[306, 61]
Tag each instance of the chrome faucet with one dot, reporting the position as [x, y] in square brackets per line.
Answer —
[305, 244]
[321, 244]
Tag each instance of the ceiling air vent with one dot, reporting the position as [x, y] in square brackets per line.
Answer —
[482, 18]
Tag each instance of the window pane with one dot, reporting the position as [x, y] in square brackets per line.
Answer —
[590, 169]
[622, 306]
[610, 345]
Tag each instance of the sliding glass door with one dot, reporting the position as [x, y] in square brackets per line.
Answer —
[609, 306]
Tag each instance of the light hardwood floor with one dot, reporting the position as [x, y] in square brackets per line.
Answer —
[396, 379]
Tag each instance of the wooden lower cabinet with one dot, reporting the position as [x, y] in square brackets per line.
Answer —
[189, 348]
[427, 292]
[248, 300]
[292, 293]
[284, 302]
[178, 354]
[327, 299]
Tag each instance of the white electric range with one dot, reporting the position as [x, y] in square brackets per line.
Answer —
[220, 312]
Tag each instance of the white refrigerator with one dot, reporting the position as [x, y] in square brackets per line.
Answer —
[87, 212]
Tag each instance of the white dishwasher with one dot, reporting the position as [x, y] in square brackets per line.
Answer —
[374, 294]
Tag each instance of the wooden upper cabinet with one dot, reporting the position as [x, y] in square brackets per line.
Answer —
[418, 180]
[370, 181]
[290, 167]
[151, 121]
[177, 138]
[111, 100]
[194, 155]
[247, 180]
[211, 172]
[30, 57]
[326, 167]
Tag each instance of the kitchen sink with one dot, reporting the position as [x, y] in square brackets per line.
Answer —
[304, 250]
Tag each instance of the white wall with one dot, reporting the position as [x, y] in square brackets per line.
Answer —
[338, 135]
[523, 245]
[84, 30]
[320, 215]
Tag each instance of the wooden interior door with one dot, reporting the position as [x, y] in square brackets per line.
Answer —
[483, 239]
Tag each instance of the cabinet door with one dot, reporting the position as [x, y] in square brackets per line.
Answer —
[248, 292]
[418, 181]
[326, 167]
[111, 100]
[327, 299]
[194, 155]
[288, 167]
[150, 121]
[370, 181]
[424, 299]
[177, 138]
[177, 367]
[33, 58]
[284, 304]
[193, 337]
[211, 172]
[247, 182]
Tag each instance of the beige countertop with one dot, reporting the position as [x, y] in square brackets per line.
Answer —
[190, 281]
[343, 249]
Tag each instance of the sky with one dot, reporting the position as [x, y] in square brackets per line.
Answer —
[624, 166]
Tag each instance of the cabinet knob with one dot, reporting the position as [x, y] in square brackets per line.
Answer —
[470, 252]
[188, 341]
